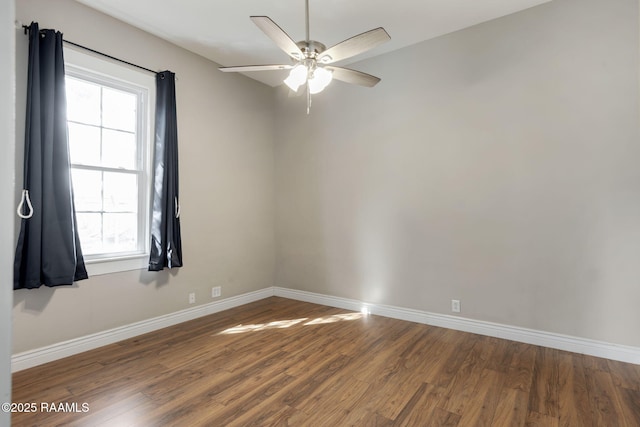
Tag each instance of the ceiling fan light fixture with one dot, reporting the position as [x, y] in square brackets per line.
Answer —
[320, 80]
[311, 58]
[297, 77]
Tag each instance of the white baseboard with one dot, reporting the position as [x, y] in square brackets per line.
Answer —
[31, 358]
[530, 336]
[57, 351]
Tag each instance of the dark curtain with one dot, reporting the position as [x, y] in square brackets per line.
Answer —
[48, 250]
[166, 246]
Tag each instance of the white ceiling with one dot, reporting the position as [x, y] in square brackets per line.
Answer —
[222, 31]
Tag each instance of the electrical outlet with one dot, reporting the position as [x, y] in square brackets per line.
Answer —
[455, 305]
[216, 291]
[192, 298]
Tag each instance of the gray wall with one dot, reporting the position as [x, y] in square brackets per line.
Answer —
[497, 165]
[225, 125]
[7, 119]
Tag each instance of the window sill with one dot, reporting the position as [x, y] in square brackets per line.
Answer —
[98, 267]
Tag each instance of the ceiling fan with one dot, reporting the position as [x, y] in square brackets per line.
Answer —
[311, 59]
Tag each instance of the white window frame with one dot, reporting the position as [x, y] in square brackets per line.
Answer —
[79, 64]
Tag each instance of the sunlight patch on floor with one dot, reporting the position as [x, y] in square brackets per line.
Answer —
[281, 324]
[334, 318]
[278, 324]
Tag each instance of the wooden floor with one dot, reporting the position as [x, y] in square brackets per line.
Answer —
[283, 362]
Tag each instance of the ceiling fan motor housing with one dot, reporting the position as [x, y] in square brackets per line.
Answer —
[311, 48]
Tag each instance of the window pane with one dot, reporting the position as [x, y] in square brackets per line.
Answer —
[83, 101]
[119, 109]
[90, 232]
[120, 192]
[84, 144]
[120, 232]
[118, 149]
[105, 117]
[87, 189]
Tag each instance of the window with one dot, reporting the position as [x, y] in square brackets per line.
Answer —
[108, 119]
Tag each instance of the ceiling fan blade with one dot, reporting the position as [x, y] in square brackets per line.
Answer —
[354, 46]
[348, 75]
[277, 34]
[243, 68]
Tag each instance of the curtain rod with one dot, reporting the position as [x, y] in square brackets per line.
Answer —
[27, 27]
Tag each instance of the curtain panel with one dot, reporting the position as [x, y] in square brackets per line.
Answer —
[48, 250]
[166, 245]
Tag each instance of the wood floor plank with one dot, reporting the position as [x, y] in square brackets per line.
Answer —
[278, 362]
[296, 391]
[263, 413]
[574, 405]
[604, 403]
[397, 393]
[127, 412]
[543, 396]
[334, 390]
[174, 384]
[206, 351]
[461, 391]
[373, 419]
[625, 374]
[482, 408]
[511, 409]
[332, 407]
[129, 376]
[418, 411]
[195, 404]
[595, 363]
[283, 416]
[520, 372]
[319, 376]
[57, 374]
[630, 403]
[452, 366]
[250, 382]
[502, 355]
[536, 419]
[438, 356]
[442, 418]
[248, 404]
[187, 415]
[46, 394]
